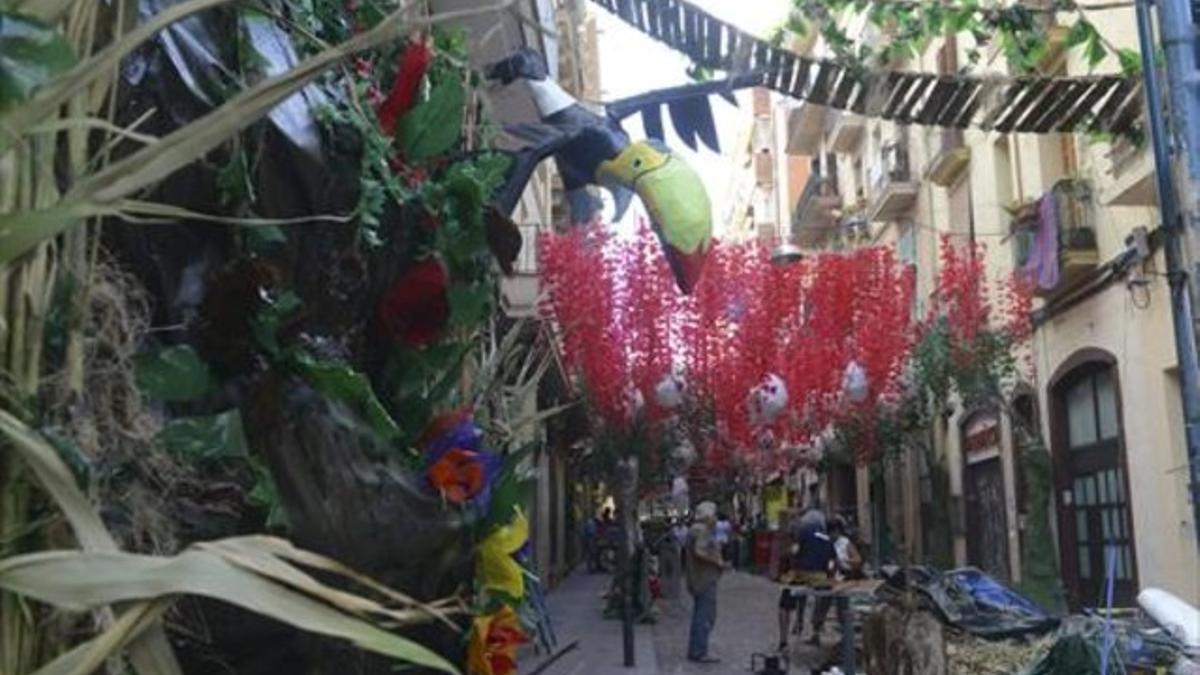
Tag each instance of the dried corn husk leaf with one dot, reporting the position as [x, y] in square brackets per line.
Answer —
[77, 580]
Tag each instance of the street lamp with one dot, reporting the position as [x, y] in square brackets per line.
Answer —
[786, 254]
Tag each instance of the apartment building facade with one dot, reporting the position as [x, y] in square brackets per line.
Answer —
[1101, 387]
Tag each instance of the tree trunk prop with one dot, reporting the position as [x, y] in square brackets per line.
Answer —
[896, 642]
[345, 499]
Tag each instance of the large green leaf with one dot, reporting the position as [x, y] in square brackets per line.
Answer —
[432, 127]
[341, 382]
[514, 486]
[202, 439]
[266, 324]
[469, 303]
[31, 53]
[173, 374]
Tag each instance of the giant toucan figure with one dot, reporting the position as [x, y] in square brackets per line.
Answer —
[593, 149]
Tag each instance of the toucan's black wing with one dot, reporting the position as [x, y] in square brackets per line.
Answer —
[544, 141]
[689, 108]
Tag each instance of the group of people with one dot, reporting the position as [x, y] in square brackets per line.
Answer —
[820, 552]
[600, 534]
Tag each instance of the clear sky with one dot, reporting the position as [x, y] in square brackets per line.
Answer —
[632, 63]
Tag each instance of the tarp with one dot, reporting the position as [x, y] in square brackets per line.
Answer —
[971, 600]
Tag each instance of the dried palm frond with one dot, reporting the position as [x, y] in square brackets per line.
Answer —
[262, 574]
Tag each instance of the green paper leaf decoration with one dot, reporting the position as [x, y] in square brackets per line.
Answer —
[173, 374]
[207, 438]
[432, 127]
[341, 382]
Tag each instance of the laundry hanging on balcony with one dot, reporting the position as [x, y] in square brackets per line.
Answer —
[1042, 266]
[1031, 104]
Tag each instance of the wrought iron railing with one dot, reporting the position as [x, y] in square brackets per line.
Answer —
[893, 167]
[1074, 214]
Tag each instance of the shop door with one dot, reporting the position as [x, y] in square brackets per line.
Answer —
[1093, 496]
[984, 496]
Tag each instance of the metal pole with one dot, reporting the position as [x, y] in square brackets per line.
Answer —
[1185, 115]
[627, 583]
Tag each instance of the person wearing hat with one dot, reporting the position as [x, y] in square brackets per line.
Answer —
[704, 567]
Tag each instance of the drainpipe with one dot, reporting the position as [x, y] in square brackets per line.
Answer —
[1176, 26]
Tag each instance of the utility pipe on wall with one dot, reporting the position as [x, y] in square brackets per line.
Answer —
[1178, 30]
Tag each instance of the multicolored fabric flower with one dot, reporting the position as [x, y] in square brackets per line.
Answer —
[497, 568]
[494, 642]
[416, 308]
[457, 466]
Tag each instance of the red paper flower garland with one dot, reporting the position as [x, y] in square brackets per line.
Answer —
[625, 327]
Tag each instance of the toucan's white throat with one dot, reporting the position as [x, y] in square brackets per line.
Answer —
[549, 97]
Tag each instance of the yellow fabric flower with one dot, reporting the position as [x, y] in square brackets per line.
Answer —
[495, 567]
[494, 642]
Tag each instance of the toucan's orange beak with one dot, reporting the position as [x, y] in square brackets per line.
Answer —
[686, 266]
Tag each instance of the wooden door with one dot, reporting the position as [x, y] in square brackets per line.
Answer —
[1093, 493]
[984, 495]
[987, 525]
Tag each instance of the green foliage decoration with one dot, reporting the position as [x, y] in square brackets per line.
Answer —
[1021, 31]
[173, 374]
[31, 54]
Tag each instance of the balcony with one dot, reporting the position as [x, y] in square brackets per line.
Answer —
[951, 159]
[845, 132]
[1074, 213]
[893, 190]
[1133, 179]
[806, 127]
[519, 291]
[814, 219]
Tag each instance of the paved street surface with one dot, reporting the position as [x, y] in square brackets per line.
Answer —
[576, 610]
[747, 622]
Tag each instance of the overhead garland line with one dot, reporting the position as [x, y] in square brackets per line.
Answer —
[1028, 104]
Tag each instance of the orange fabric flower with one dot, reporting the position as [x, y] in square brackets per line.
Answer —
[459, 475]
[494, 642]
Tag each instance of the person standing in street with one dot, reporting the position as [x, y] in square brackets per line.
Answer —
[724, 534]
[812, 563]
[704, 567]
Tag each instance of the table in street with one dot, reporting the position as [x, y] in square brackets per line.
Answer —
[841, 592]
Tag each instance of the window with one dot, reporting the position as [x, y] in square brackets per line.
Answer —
[1092, 410]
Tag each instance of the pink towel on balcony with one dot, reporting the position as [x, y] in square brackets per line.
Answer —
[1042, 266]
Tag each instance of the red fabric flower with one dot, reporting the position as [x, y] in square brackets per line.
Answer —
[458, 475]
[416, 308]
[410, 69]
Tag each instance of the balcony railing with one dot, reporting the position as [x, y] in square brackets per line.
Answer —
[813, 216]
[893, 166]
[893, 190]
[1074, 216]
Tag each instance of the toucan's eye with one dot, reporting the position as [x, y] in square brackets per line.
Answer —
[637, 163]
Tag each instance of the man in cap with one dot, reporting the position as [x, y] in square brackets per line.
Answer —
[704, 567]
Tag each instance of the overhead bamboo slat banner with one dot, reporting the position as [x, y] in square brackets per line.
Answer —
[1025, 104]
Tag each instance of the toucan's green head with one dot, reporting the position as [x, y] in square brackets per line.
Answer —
[635, 161]
[675, 197]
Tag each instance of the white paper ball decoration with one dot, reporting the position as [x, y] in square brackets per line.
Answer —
[854, 382]
[768, 400]
[669, 392]
[635, 402]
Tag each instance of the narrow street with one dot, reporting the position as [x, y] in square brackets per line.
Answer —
[746, 624]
